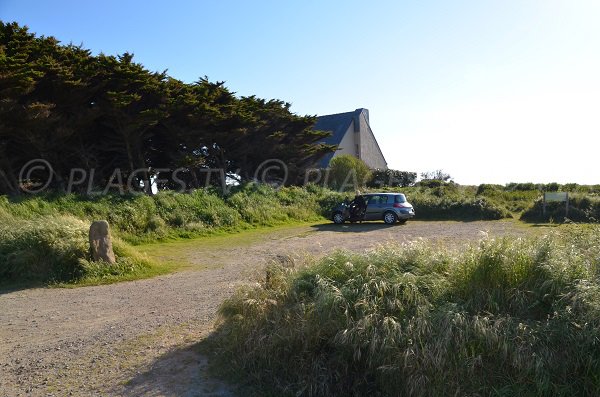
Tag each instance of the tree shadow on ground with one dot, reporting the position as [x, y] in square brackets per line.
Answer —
[179, 372]
[7, 287]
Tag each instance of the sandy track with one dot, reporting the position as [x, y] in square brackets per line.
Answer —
[137, 338]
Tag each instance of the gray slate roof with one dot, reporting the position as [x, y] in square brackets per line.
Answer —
[338, 124]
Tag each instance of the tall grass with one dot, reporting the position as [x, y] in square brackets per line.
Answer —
[141, 219]
[515, 200]
[504, 317]
[47, 248]
[44, 238]
[55, 249]
[134, 217]
[265, 206]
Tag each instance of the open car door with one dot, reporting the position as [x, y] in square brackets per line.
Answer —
[357, 209]
[375, 207]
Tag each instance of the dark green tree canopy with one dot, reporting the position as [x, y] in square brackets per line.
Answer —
[75, 110]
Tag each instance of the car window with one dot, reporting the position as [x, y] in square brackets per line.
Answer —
[377, 199]
[400, 198]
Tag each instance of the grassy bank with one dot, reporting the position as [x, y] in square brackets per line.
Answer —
[44, 238]
[505, 317]
[54, 249]
[169, 215]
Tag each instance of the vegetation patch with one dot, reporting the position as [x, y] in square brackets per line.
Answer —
[503, 317]
[44, 237]
[457, 208]
[54, 249]
[582, 208]
[438, 200]
[139, 218]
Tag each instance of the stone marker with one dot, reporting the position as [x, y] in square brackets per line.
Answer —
[101, 243]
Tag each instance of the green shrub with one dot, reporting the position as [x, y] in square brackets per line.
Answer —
[486, 188]
[582, 208]
[522, 186]
[456, 208]
[551, 187]
[515, 201]
[326, 199]
[433, 183]
[505, 317]
[44, 238]
[348, 173]
[391, 178]
[438, 200]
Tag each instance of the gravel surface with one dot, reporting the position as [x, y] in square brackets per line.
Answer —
[138, 338]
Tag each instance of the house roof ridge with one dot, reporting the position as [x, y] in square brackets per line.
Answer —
[336, 114]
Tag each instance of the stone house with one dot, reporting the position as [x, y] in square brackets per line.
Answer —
[353, 135]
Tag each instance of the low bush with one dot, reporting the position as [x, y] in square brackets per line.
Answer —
[434, 183]
[473, 209]
[56, 225]
[516, 201]
[523, 186]
[582, 208]
[487, 188]
[391, 178]
[450, 205]
[503, 317]
[438, 200]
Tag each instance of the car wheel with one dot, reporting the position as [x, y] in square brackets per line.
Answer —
[338, 218]
[389, 218]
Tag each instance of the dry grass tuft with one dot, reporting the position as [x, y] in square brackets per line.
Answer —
[504, 317]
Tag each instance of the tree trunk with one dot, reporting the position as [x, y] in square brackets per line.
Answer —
[145, 174]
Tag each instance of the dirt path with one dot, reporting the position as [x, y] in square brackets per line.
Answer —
[137, 338]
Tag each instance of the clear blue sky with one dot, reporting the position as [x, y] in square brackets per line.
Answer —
[488, 91]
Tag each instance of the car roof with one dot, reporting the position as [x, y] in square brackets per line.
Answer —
[387, 193]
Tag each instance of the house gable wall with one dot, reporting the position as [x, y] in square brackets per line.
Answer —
[370, 151]
[348, 143]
